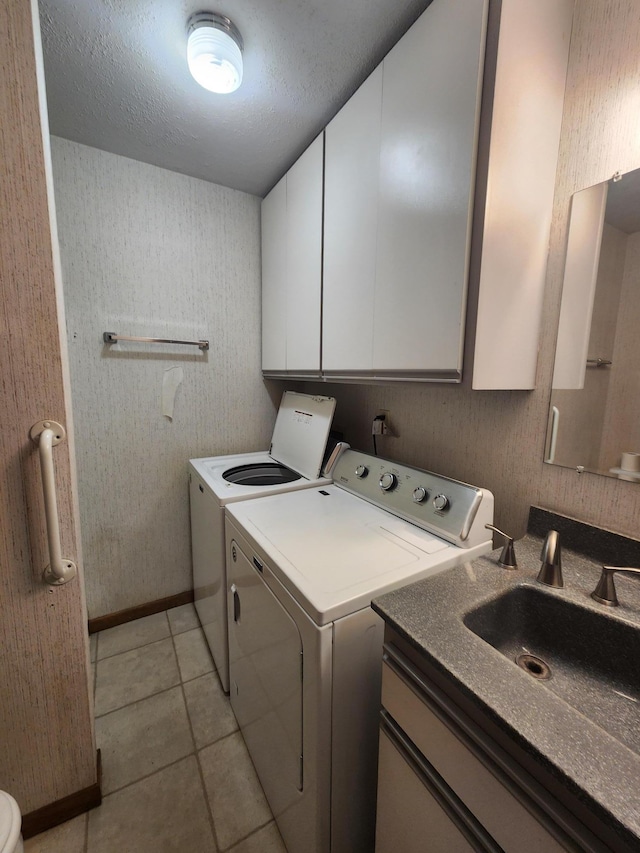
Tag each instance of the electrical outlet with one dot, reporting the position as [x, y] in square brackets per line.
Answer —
[380, 424]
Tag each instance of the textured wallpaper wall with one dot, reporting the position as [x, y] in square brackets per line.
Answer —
[154, 253]
[496, 439]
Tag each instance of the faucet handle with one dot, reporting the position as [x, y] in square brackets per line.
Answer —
[605, 591]
[507, 558]
[551, 569]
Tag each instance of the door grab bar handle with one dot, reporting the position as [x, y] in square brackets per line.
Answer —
[46, 434]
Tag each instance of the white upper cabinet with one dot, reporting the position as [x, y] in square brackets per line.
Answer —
[400, 218]
[352, 167]
[430, 116]
[399, 178]
[292, 267]
[528, 97]
[274, 278]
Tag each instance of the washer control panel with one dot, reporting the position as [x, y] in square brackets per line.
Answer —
[443, 506]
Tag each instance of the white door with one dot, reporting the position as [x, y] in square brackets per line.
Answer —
[46, 719]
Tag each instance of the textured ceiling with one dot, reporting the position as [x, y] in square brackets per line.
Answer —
[117, 79]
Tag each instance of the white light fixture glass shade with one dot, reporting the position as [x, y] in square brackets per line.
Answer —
[214, 52]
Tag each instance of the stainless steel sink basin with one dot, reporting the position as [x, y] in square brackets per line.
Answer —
[593, 659]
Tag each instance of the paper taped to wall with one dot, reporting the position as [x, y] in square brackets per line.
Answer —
[170, 384]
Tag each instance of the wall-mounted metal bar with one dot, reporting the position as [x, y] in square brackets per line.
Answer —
[599, 362]
[46, 434]
[113, 338]
[555, 423]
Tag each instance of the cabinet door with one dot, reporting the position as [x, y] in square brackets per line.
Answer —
[531, 71]
[430, 115]
[274, 278]
[352, 163]
[304, 258]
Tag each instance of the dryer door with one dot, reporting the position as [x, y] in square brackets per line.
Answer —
[265, 658]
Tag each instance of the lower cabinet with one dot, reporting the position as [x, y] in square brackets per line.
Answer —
[440, 787]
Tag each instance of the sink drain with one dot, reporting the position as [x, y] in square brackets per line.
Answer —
[534, 666]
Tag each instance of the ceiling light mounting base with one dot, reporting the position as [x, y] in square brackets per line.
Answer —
[218, 22]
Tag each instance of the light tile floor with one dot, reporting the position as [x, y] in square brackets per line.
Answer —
[176, 775]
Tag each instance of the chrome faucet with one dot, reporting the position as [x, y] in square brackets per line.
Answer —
[551, 569]
[507, 558]
[605, 592]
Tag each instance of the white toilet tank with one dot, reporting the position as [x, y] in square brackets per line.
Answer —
[10, 825]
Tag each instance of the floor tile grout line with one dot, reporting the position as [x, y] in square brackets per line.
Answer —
[195, 751]
[171, 633]
[167, 690]
[135, 701]
[175, 659]
[197, 627]
[199, 766]
[134, 648]
[245, 837]
[155, 693]
[208, 672]
[148, 775]
[258, 828]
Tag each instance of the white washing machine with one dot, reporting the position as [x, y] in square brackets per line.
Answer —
[293, 461]
[305, 646]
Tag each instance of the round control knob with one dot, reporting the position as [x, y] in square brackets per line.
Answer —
[361, 472]
[440, 503]
[388, 481]
[420, 494]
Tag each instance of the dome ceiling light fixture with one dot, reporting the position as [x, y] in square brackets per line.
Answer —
[214, 52]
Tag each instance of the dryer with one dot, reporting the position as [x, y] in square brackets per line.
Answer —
[293, 462]
[306, 647]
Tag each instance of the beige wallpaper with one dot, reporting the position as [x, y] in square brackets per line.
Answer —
[496, 439]
[153, 253]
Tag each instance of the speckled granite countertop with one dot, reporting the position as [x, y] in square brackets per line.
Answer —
[597, 768]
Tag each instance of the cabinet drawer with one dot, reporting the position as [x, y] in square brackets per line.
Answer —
[409, 817]
[494, 801]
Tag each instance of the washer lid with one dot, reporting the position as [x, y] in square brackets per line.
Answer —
[301, 432]
[10, 822]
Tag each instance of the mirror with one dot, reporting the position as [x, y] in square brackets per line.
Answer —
[594, 419]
